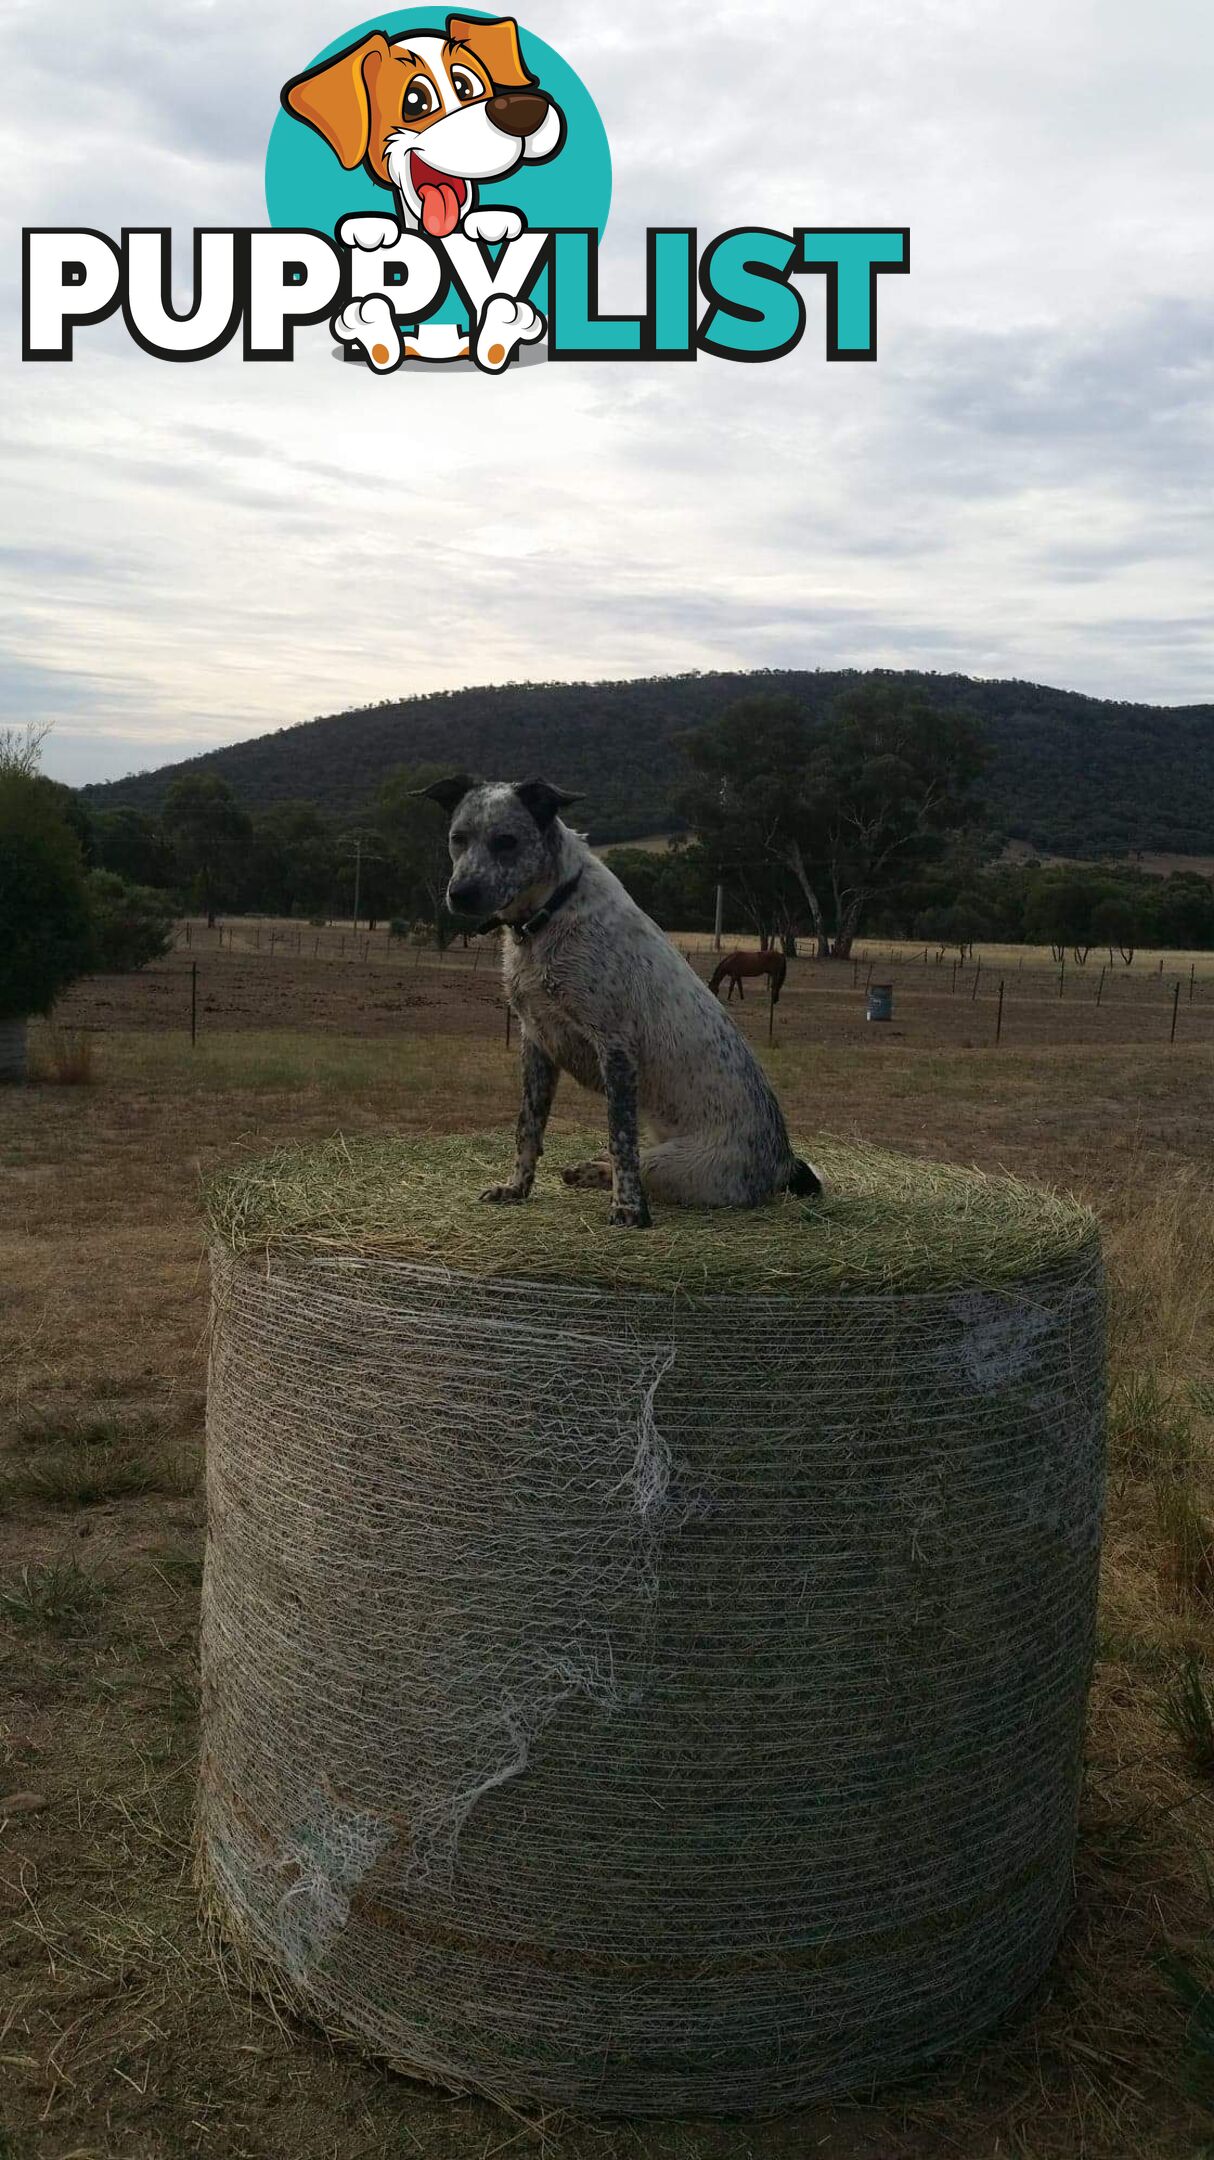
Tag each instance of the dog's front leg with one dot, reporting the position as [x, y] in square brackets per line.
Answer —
[540, 1076]
[629, 1208]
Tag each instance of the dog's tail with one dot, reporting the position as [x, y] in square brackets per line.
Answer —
[806, 1183]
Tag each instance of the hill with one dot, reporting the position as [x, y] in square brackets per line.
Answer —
[1070, 775]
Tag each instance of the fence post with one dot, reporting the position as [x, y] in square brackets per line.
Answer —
[1192, 974]
[999, 1015]
[1175, 1009]
[954, 976]
[193, 1003]
[1100, 985]
[977, 980]
[1062, 977]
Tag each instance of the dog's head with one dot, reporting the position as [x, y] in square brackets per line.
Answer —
[431, 115]
[505, 842]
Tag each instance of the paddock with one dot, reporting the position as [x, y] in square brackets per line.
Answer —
[101, 1546]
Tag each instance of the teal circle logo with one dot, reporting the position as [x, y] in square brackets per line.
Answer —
[306, 184]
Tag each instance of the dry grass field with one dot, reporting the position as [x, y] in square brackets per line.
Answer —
[120, 2036]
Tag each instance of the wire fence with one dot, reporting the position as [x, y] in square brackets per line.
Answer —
[1148, 978]
[299, 978]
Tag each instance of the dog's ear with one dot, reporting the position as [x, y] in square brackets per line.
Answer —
[496, 44]
[447, 793]
[543, 800]
[335, 98]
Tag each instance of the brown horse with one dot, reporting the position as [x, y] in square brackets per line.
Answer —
[737, 964]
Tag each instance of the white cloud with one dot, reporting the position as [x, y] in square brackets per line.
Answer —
[196, 554]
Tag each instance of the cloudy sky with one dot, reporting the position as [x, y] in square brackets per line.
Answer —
[1020, 486]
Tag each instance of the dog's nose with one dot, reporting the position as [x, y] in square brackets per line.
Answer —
[517, 112]
[464, 898]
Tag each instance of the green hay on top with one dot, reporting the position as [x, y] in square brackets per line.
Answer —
[890, 1223]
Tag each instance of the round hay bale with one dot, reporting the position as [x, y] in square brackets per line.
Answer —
[647, 1673]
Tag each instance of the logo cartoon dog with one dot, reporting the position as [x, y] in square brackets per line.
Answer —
[429, 117]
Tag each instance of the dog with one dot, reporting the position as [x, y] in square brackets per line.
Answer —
[431, 117]
[603, 995]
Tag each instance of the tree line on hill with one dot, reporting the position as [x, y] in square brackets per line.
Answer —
[1064, 774]
[870, 816]
[811, 825]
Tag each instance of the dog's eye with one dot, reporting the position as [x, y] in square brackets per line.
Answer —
[504, 844]
[419, 99]
[465, 86]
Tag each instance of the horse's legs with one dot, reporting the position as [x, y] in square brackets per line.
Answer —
[741, 992]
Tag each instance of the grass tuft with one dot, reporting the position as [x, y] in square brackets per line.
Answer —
[1150, 1428]
[86, 1473]
[1189, 1547]
[65, 1057]
[58, 1595]
[79, 1476]
[1189, 1712]
[79, 1429]
[889, 1223]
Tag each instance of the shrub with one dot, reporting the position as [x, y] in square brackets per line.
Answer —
[132, 924]
[45, 925]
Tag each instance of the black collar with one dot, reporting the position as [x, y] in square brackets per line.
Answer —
[542, 917]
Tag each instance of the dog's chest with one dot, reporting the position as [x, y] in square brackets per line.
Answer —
[536, 992]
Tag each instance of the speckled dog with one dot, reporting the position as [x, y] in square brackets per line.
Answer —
[602, 994]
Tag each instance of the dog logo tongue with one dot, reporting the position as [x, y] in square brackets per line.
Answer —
[442, 196]
[440, 208]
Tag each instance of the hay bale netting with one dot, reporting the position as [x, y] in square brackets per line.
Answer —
[647, 1673]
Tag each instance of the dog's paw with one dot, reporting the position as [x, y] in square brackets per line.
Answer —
[371, 324]
[505, 325]
[589, 1176]
[504, 1195]
[371, 233]
[631, 1218]
[494, 223]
